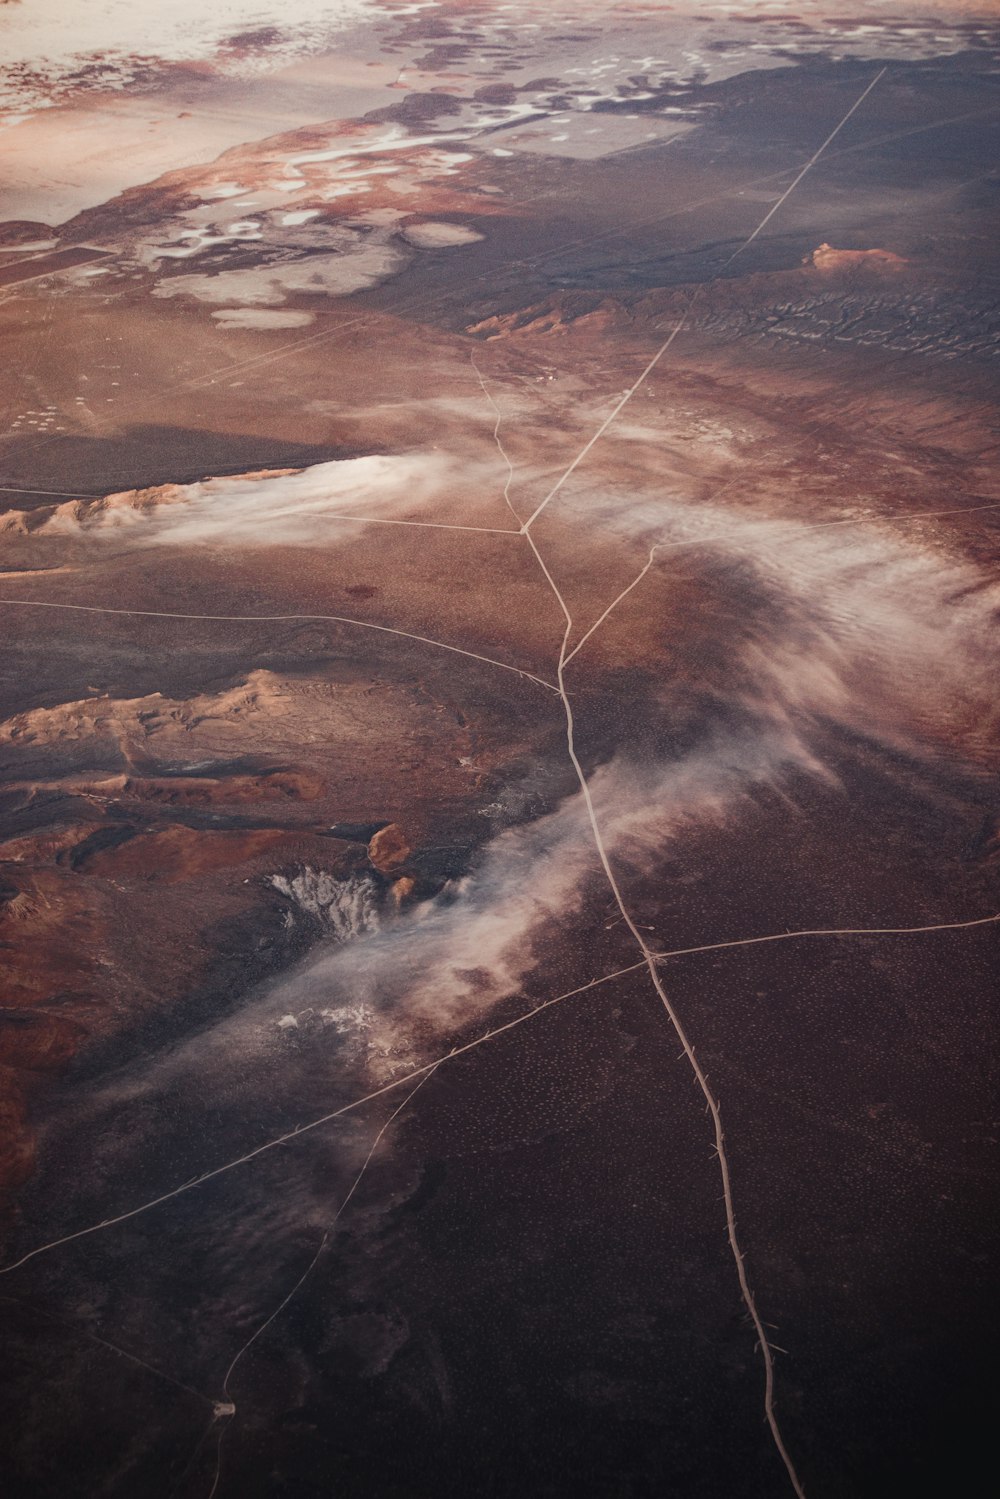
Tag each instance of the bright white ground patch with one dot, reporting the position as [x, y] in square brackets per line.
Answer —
[262, 318]
[60, 42]
[354, 270]
[440, 236]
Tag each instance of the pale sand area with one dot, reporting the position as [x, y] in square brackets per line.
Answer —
[57, 162]
[261, 319]
[440, 236]
[61, 160]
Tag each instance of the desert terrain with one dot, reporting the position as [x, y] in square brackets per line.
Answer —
[498, 750]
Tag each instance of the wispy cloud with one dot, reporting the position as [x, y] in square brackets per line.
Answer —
[871, 624]
[268, 509]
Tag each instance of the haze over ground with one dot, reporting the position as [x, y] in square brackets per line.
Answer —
[499, 746]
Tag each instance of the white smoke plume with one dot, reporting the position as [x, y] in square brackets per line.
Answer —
[349, 907]
[265, 509]
[868, 624]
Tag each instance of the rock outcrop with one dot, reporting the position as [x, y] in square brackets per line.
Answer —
[389, 851]
[826, 258]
